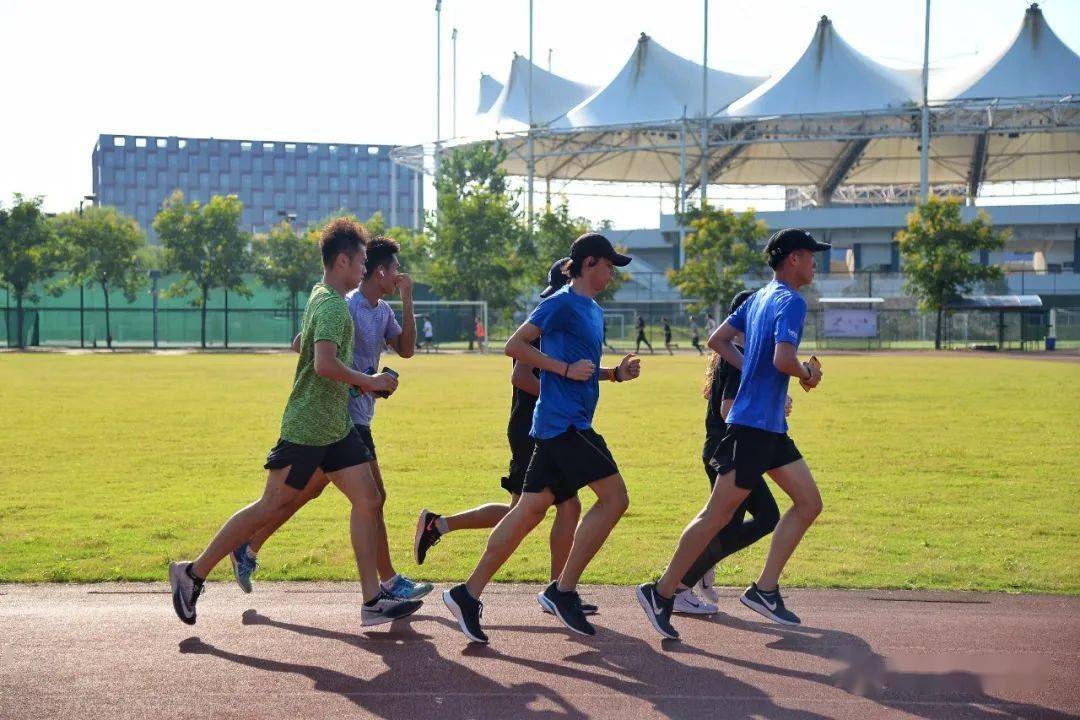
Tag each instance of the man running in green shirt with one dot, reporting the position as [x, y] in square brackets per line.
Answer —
[316, 433]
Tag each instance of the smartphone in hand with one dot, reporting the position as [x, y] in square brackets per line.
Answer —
[816, 364]
[388, 371]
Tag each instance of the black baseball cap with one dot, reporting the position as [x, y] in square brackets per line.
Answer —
[785, 241]
[596, 245]
[556, 277]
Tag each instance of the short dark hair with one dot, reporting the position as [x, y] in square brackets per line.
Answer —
[342, 235]
[573, 268]
[381, 251]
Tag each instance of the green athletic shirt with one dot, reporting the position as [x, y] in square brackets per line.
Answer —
[318, 409]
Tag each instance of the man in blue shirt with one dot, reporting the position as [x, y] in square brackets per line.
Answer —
[756, 441]
[569, 454]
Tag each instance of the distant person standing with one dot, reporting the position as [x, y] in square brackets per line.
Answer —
[710, 326]
[429, 335]
[640, 325]
[695, 337]
[481, 340]
[667, 335]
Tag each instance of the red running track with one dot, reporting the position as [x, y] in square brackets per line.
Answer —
[296, 650]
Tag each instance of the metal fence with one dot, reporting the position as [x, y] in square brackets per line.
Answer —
[76, 318]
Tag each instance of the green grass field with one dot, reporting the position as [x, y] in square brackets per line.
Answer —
[936, 471]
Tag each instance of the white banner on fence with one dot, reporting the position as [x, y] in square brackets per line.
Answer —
[851, 323]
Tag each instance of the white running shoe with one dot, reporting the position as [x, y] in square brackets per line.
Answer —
[707, 586]
[687, 603]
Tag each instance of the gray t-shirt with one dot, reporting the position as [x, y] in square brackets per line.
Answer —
[373, 325]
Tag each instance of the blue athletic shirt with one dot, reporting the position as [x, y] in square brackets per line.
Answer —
[774, 314]
[571, 329]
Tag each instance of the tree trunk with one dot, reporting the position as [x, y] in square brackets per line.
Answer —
[202, 328]
[18, 321]
[108, 326]
[937, 330]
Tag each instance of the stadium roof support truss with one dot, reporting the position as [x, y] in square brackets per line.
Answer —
[651, 152]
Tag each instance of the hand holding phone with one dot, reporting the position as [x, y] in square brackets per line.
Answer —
[815, 374]
[392, 383]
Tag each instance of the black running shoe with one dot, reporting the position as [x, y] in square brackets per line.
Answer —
[426, 535]
[769, 604]
[185, 591]
[586, 608]
[567, 607]
[468, 611]
[658, 609]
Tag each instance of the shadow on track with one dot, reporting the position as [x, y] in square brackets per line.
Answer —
[416, 677]
[867, 674]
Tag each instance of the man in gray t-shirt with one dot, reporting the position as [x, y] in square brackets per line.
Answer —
[375, 328]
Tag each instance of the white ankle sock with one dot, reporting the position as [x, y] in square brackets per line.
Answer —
[441, 526]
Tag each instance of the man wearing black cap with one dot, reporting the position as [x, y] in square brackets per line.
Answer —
[756, 441]
[431, 527]
[569, 454]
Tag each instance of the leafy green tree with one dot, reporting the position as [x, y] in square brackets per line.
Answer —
[28, 252]
[555, 230]
[476, 234]
[938, 250]
[102, 246]
[415, 251]
[721, 247]
[205, 246]
[287, 260]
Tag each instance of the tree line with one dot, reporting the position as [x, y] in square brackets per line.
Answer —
[477, 245]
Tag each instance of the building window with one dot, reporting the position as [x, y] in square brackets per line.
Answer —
[268, 146]
[290, 147]
[119, 142]
[245, 146]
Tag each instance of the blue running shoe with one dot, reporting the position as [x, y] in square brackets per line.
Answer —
[403, 588]
[243, 567]
[769, 604]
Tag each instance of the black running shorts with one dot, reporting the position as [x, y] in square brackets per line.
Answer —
[305, 459]
[568, 462]
[365, 435]
[751, 453]
[521, 451]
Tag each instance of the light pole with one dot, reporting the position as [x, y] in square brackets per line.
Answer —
[82, 304]
[924, 154]
[155, 275]
[86, 199]
[704, 180]
[286, 217]
[453, 83]
[438, 80]
[532, 155]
